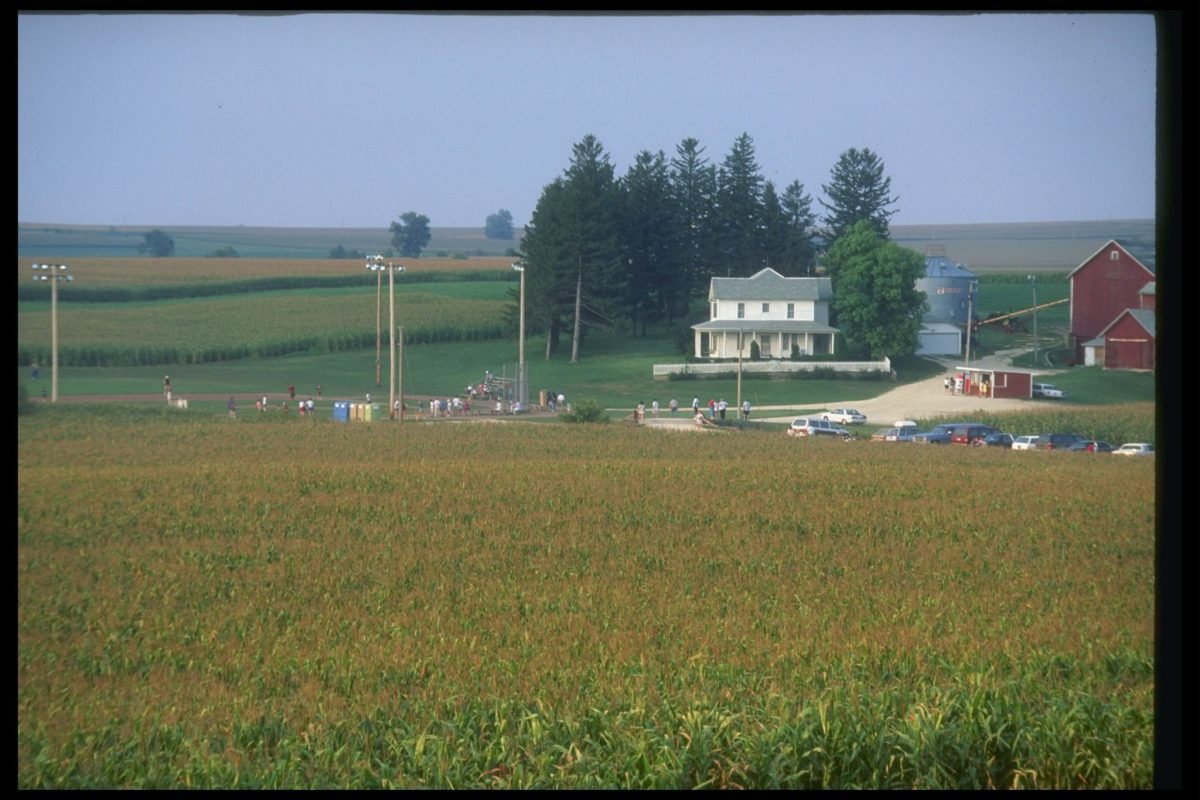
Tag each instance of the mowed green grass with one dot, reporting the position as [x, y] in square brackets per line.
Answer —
[205, 602]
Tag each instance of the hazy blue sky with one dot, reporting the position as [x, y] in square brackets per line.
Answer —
[328, 120]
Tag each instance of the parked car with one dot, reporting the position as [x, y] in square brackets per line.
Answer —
[1134, 449]
[845, 416]
[1091, 446]
[811, 426]
[882, 435]
[1048, 391]
[970, 434]
[938, 434]
[905, 430]
[1025, 443]
[997, 439]
[1058, 441]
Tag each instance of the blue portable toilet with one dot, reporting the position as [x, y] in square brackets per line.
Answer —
[341, 411]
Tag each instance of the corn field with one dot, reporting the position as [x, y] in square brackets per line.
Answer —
[210, 602]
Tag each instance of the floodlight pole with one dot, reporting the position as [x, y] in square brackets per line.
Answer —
[522, 377]
[54, 274]
[377, 267]
[1033, 280]
[392, 270]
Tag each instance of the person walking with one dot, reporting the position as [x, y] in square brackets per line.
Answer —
[674, 406]
[654, 408]
[746, 410]
[232, 408]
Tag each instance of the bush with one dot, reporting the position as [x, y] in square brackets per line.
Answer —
[585, 411]
[755, 353]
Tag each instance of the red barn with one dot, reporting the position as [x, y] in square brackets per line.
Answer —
[1148, 296]
[1104, 285]
[1129, 340]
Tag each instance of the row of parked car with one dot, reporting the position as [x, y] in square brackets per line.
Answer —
[979, 435]
[976, 434]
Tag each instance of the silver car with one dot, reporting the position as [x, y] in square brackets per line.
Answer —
[1134, 449]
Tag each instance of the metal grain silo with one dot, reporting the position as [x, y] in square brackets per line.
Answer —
[947, 288]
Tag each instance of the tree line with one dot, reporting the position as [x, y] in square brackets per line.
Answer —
[640, 247]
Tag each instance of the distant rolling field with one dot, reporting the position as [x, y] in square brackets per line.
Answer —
[985, 247]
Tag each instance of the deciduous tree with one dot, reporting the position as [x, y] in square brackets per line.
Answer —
[157, 243]
[411, 234]
[499, 225]
[875, 300]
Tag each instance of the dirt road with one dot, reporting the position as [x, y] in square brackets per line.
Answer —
[928, 398]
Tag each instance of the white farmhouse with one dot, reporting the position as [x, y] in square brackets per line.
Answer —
[767, 308]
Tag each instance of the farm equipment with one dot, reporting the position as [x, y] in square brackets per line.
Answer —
[1012, 322]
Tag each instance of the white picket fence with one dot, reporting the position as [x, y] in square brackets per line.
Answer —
[663, 372]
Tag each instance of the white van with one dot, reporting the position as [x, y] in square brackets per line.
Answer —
[812, 426]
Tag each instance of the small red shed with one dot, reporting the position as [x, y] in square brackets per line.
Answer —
[988, 382]
[1129, 340]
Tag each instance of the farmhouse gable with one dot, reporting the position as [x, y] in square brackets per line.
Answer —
[778, 314]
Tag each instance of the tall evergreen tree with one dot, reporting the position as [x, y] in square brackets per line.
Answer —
[799, 256]
[654, 278]
[773, 231]
[858, 190]
[544, 254]
[576, 244]
[693, 190]
[594, 247]
[739, 208]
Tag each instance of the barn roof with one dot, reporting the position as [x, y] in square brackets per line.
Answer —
[1109, 243]
[1144, 317]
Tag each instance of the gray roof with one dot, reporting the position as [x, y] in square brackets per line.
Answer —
[764, 325]
[1148, 288]
[767, 284]
[940, 327]
[1144, 317]
[942, 267]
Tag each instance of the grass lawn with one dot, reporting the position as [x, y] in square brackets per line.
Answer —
[614, 371]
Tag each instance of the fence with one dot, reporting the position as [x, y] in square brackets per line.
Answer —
[663, 372]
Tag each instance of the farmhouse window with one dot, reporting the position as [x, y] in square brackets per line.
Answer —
[766, 308]
[741, 310]
[791, 314]
[714, 311]
[1114, 256]
[764, 345]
